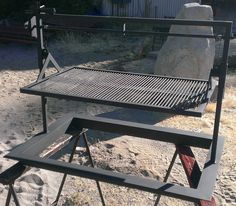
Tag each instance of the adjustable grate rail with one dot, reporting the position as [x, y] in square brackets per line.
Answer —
[121, 88]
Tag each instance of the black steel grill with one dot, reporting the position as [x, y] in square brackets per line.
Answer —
[119, 88]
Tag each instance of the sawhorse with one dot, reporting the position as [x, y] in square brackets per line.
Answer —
[201, 186]
[185, 154]
[192, 171]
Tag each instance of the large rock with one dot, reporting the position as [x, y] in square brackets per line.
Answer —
[184, 56]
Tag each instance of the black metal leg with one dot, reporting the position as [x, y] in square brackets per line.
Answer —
[12, 191]
[93, 165]
[65, 175]
[44, 114]
[167, 174]
[220, 94]
[8, 197]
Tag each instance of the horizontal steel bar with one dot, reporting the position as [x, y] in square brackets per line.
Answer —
[71, 125]
[102, 175]
[63, 18]
[132, 32]
[175, 136]
[11, 174]
[121, 72]
[15, 39]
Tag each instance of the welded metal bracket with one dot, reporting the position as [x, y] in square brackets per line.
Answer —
[48, 59]
[31, 25]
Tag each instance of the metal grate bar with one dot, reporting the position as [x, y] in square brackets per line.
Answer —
[121, 88]
[128, 88]
[139, 91]
[118, 89]
[182, 93]
[194, 89]
[146, 93]
[167, 99]
[158, 84]
[176, 96]
[164, 91]
[195, 93]
[98, 86]
[176, 101]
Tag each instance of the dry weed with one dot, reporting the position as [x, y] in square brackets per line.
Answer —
[75, 43]
[230, 98]
[211, 108]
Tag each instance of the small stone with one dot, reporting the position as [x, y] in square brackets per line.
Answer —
[120, 156]
[33, 178]
[228, 200]
[109, 146]
[133, 162]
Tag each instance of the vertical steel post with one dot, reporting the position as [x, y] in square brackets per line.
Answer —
[44, 114]
[41, 59]
[221, 86]
[40, 45]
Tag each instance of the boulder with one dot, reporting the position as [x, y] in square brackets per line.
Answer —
[187, 56]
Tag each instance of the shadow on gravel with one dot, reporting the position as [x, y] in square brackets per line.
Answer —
[131, 115]
[17, 56]
[24, 57]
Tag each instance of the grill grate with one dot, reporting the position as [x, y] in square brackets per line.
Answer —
[151, 91]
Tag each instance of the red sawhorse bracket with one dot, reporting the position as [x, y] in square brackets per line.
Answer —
[192, 171]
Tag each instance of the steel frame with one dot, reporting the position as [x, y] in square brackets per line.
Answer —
[29, 154]
[47, 19]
